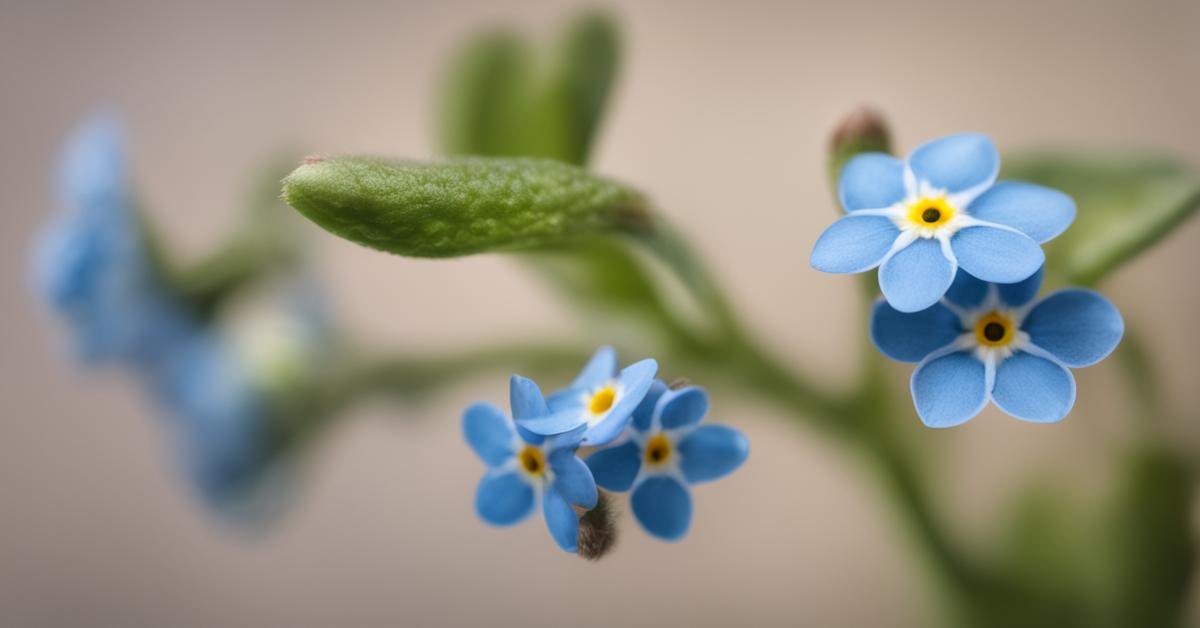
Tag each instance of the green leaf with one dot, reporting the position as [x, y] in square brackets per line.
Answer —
[1127, 202]
[460, 206]
[589, 54]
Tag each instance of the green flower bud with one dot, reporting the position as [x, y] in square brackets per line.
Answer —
[460, 206]
[864, 130]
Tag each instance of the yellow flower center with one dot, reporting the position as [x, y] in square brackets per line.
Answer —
[994, 330]
[930, 213]
[602, 400]
[658, 450]
[532, 461]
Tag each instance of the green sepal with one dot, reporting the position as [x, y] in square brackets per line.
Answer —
[1126, 203]
[460, 206]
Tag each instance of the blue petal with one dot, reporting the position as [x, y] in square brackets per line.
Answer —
[572, 478]
[854, 244]
[909, 337]
[1033, 388]
[489, 433]
[1039, 212]
[565, 399]
[635, 381]
[526, 399]
[562, 422]
[1022, 292]
[1079, 327]
[601, 368]
[561, 520]
[949, 390]
[503, 498]
[94, 165]
[615, 468]
[530, 438]
[966, 291]
[871, 181]
[956, 163]
[663, 506]
[997, 255]
[916, 276]
[711, 452]
[683, 407]
[643, 414]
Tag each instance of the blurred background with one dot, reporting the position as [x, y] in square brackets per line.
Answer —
[722, 112]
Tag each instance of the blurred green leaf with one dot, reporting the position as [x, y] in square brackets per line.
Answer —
[1127, 202]
[461, 206]
[1150, 541]
[589, 60]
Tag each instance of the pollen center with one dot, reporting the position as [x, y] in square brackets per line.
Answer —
[658, 449]
[994, 330]
[532, 460]
[602, 400]
[930, 213]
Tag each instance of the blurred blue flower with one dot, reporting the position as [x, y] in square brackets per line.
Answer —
[988, 341]
[219, 416]
[667, 451]
[524, 467]
[922, 219]
[600, 398]
[91, 264]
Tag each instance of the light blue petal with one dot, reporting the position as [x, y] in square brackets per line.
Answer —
[643, 414]
[997, 255]
[565, 440]
[909, 337]
[1032, 388]
[956, 163]
[94, 166]
[948, 390]
[1022, 292]
[503, 498]
[683, 407]
[854, 244]
[529, 437]
[601, 368]
[635, 381]
[526, 399]
[917, 276]
[663, 507]
[966, 291]
[561, 520]
[562, 422]
[489, 433]
[871, 181]
[711, 452]
[615, 468]
[572, 479]
[567, 398]
[1039, 212]
[1079, 327]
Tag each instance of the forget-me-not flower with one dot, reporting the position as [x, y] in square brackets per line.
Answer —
[921, 219]
[668, 450]
[995, 342]
[91, 264]
[525, 468]
[601, 398]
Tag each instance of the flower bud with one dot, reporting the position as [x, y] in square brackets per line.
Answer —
[460, 206]
[598, 529]
[864, 130]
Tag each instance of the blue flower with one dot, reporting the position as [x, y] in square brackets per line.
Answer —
[600, 398]
[995, 342]
[922, 219]
[667, 451]
[219, 416]
[524, 467]
[91, 264]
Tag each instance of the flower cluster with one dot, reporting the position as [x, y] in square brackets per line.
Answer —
[633, 433]
[97, 270]
[959, 266]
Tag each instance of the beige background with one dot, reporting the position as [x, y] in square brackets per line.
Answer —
[722, 113]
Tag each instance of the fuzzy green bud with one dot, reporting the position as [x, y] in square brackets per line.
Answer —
[460, 206]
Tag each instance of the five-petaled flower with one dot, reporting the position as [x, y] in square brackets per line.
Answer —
[600, 398]
[994, 341]
[667, 451]
[921, 219]
[524, 467]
